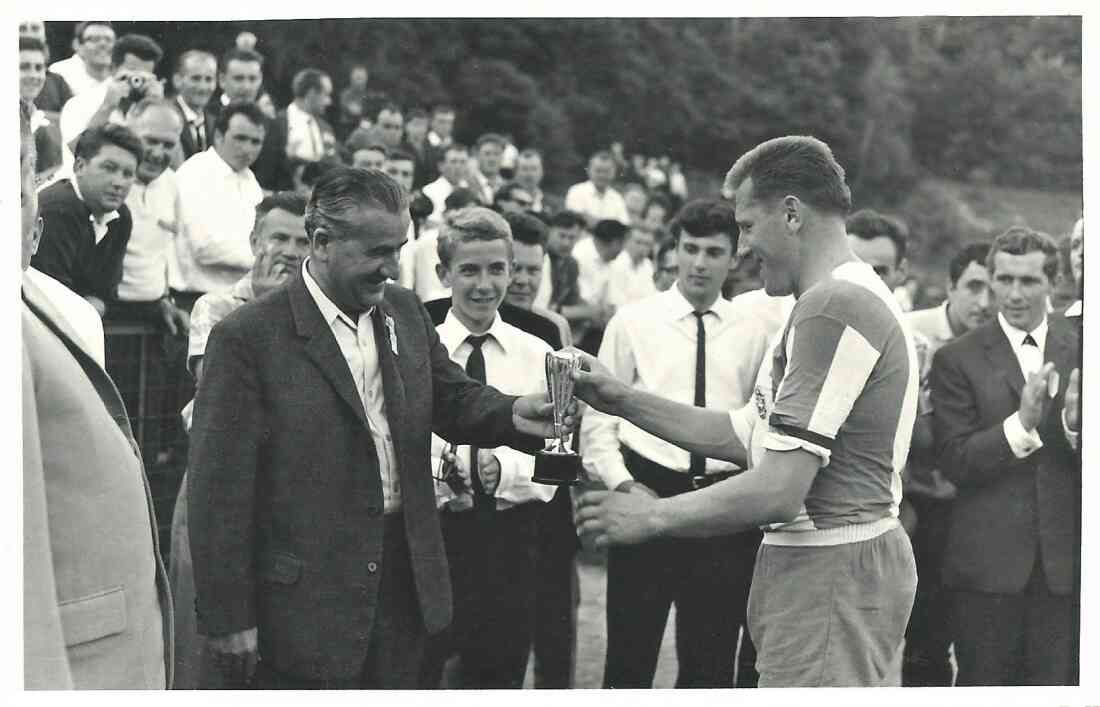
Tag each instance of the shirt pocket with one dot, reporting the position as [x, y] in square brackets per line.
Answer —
[94, 617]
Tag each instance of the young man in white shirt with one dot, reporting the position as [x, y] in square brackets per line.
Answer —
[694, 347]
[594, 257]
[631, 276]
[90, 64]
[596, 199]
[452, 175]
[218, 198]
[491, 510]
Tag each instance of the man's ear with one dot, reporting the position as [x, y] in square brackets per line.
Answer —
[793, 213]
[444, 274]
[902, 271]
[319, 243]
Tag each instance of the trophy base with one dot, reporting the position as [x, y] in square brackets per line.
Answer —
[557, 468]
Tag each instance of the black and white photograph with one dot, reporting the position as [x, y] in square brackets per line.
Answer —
[553, 353]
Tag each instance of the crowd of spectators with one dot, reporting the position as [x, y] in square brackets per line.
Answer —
[152, 191]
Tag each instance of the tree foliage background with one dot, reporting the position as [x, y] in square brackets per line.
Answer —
[976, 100]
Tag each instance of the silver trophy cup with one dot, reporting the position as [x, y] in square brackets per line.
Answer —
[558, 465]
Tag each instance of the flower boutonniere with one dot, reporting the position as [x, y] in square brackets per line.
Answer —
[391, 329]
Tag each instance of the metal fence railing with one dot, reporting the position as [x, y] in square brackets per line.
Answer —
[148, 368]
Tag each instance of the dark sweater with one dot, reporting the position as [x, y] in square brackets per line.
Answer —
[68, 251]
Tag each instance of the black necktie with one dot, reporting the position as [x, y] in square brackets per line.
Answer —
[200, 135]
[475, 368]
[699, 463]
[1029, 341]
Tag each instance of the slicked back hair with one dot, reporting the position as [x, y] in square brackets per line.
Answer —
[290, 201]
[92, 140]
[796, 165]
[869, 224]
[1021, 240]
[474, 223]
[139, 45]
[343, 190]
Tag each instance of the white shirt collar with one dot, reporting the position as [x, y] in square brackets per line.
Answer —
[452, 332]
[329, 310]
[103, 219]
[1016, 336]
[293, 112]
[188, 113]
[677, 307]
[1074, 310]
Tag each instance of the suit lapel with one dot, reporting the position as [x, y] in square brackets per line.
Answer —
[40, 305]
[1002, 358]
[322, 348]
[1061, 349]
[393, 385]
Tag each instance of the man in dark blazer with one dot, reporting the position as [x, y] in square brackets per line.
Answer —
[194, 81]
[314, 532]
[1013, 550]
[298, 132]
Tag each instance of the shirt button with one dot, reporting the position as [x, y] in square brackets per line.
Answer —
[372, 567]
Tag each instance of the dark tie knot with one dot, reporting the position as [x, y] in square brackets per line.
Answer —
[477, 341]
[1030, 341]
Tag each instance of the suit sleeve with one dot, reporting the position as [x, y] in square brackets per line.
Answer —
[45, 660]
[969, 453]
[465, 411]
[226, 437]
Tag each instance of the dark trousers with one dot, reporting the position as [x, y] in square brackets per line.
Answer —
[928, 635]
[1016, 639]
[708, 580]
[556, 594]
[397, 638]
[493, 577]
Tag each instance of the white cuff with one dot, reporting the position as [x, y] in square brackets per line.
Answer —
[1074, 438]
[1022, 442]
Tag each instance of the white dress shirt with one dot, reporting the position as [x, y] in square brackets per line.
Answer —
[628, 281]
[651, 344]
[303, 135]
[438, 191]
[356, 341]
[592, 271]
[515, 364]
[584, 198]
[217, 214]
[1022, 442]
[75, 73]
[75, 116]
[78, 312]
[154, 208]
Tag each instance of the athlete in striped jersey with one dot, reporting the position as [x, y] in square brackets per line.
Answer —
[826, 436]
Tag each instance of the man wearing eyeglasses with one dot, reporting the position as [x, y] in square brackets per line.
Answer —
[90, 64]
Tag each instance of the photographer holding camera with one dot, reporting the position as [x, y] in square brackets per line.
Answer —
[133, 60]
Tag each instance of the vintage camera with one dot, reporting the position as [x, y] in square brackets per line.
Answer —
[139, 84]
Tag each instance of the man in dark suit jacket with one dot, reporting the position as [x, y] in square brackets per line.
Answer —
[194, 82]
[314, 530]
[1013, 551]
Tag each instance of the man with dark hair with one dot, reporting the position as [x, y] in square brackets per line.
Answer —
[529, 173]
[97, 610]
[484, 173]
[134, 58]
[32, 79]
[452, 175]
[90, 65]
[416, 143]
[55, 91]
[707, 579]
[442, 128]
[241, 78]
[401, 166]
[596, 199]
[279, 244]
[353, 99]
[389, 128]
[510, 197]
[87, 222]
[826, 433]
[1014, 545]
[666, 267]
[299, 131]
[880, 241]
[565, 228]
[927, 491]
[194, 81]
[368, 155]
[218, 197]
[313, 523]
